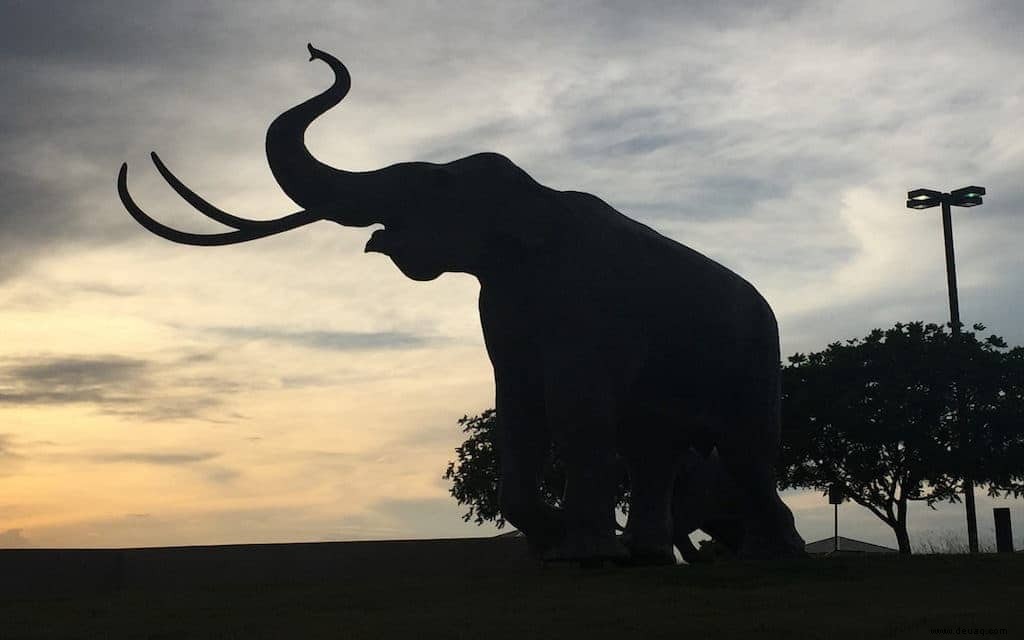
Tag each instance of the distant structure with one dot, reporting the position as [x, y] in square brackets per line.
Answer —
[846, 545]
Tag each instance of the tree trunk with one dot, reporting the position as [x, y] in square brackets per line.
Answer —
[902, 539]
[900, 527]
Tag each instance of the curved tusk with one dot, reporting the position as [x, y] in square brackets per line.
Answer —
[201, 205]
[250, 232]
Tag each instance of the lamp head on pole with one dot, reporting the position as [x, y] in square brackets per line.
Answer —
[967, 196]
[963, 197]
[923, 198]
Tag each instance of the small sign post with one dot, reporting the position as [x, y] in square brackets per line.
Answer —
[1004, 534]
[835, 498]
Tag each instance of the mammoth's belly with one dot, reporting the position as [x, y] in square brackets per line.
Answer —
[691, 398]
[673, 421]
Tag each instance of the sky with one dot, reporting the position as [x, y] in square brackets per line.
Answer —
[297, 389]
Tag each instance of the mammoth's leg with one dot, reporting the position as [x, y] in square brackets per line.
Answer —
[768, 527]
[707, 498]
[690, 497]
[581, 415]
[690, 553]
[523, 446]
[651, 481]
[727, 531]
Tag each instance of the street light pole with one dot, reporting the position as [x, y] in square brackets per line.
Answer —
[954, 323]
[954, 300]
[964, 197]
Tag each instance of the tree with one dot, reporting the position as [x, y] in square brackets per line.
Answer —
[475, 473]
[885, 417]
[475, 476]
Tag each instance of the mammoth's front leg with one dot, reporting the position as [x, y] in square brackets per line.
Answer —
[524, 443]
[580, 411]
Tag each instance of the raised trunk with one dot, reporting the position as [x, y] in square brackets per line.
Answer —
[311, 183]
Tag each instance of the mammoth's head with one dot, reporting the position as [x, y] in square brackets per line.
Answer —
[469, 215]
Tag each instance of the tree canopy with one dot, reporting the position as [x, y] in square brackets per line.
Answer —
[905, 414]
[475, 472]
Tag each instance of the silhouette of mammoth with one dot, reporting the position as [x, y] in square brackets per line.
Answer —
[606, 337]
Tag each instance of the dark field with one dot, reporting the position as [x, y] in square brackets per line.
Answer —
[490, 589]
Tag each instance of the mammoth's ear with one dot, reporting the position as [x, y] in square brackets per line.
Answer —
[532, 220]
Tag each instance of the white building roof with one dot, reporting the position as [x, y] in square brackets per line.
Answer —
[846, 545]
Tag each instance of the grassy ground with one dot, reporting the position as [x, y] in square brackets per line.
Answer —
[447, 591]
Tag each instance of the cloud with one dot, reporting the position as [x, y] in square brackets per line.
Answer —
[77, 371]
[47, 295]
[155, 458]
[330, 340]
[61, 380]
[152, 390]
[200, 462]
[57, 185]
[112, 73]
[13, 539]
[7, 447]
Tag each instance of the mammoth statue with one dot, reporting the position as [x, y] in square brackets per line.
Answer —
[606, 337]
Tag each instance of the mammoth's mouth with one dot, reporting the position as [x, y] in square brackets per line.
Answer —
[382, 241]
[407, 250]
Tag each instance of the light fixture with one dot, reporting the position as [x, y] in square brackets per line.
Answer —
[923, 194]
[967, 196]
[925, 203]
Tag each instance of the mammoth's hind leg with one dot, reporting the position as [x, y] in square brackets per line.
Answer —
[707, 498]
[768, 528]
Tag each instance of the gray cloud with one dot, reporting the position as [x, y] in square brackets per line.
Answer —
[99, 32]
[149, 390]
[73, 73]
[698, 110]
[90, 83]
[155, 458]
[162, 408]
[60, 380]
[329, 340]
[77, 371]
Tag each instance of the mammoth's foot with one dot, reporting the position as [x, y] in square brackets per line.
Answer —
[645, 554]
[588, 550]
[651, 556]
[760, 547]
[541, 546]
